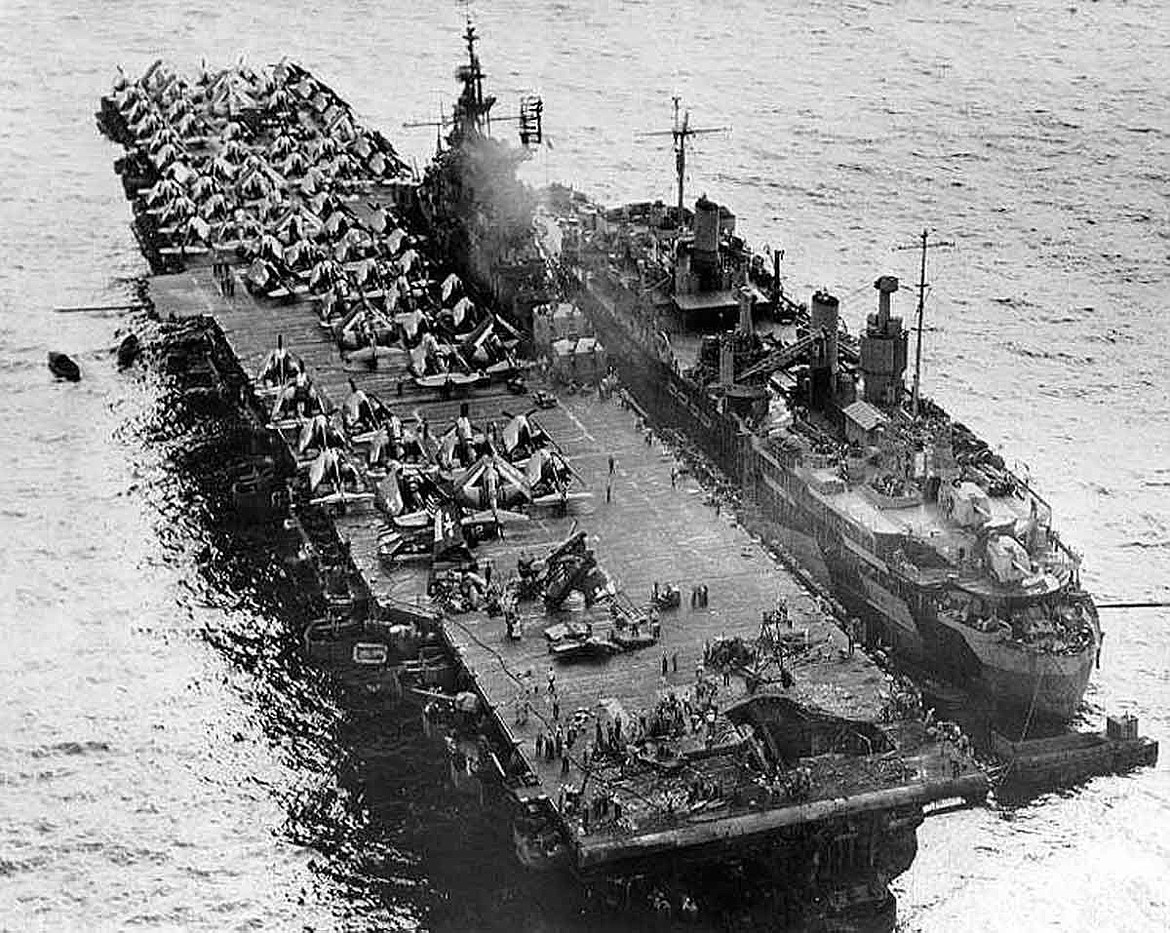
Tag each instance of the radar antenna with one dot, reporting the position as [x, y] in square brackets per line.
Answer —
[471, 114]
[531, 109]
[679, 134]
[473, 110]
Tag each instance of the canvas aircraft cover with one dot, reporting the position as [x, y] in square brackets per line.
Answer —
[1009, 561]
[515, 431]
[969, 505]
[391, 493]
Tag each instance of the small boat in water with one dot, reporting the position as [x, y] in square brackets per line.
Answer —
[128, 351]
[63, 367]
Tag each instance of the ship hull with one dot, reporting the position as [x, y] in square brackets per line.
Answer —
[1012, 682]
[1037, 685]
[1052, 685]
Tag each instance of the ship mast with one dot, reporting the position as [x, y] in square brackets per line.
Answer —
[473, 110]
[471, 114]
[680, 133]
[918, 338]
[922, 245]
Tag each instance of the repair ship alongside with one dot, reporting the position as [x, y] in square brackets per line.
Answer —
[943, 554]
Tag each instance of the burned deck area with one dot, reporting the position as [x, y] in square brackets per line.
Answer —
[680, 746]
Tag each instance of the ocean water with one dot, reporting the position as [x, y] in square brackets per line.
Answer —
[164, 764]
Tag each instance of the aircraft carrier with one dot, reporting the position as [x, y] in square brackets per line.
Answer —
[607, 658]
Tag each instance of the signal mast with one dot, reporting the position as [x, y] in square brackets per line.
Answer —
[922, 245]
[679, 134]
[471, 116]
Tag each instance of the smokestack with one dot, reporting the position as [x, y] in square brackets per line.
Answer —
[726, 363]
[824, 320]
[883, 349]
[706, 226]
[705, 250]
[746, 300]
[886, 286]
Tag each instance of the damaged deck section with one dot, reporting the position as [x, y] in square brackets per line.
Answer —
[764, 767]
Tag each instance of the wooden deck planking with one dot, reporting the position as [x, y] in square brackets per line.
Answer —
[650, 531]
